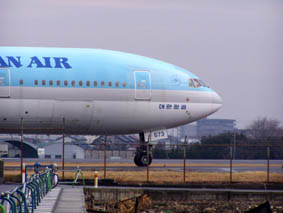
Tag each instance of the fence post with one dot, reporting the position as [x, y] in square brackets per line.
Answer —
[105, 141]
[185, 153]
[234, 148]
[231, 159]
[268, 157]
[24, 173]
[63, 150]
[22, 141]
[147, 158]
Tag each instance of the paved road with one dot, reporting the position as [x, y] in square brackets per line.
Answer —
[193, 165]
[71, 200]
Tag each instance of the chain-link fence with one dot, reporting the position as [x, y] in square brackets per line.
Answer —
[225, 159]
[218, 162]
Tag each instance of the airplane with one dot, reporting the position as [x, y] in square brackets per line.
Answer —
[97, 92]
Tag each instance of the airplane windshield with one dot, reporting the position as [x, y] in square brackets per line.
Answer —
[191, 83]
[202, 83]
[196, 83]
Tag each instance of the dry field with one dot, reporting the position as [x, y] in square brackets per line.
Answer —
[17, 164]
[177, 177]
[168, 176]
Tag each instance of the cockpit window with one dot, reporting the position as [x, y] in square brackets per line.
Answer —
[202, 83]
[196, 83]
[191, 83]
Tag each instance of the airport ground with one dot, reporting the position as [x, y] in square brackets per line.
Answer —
[249, 174]
[163, 171]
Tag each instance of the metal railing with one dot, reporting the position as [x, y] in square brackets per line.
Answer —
[26, 197]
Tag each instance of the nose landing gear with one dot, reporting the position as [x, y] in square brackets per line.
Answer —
[141, 153]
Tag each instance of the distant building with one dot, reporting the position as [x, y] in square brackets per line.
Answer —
[117, 139]
[71, 151]
[110, 154]
[189, 130]
[118, 147]
[174, 132]
[206, 127]
[3, 149]
[10, 148]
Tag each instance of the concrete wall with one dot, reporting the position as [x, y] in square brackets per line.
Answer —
[117, 194]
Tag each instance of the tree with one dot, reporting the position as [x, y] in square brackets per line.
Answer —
[159, 152]
[211, 147]
[176, 152]
[263, 128]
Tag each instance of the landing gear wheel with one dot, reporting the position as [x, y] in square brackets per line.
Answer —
[142, 152]
[136, 160]
[141, 159]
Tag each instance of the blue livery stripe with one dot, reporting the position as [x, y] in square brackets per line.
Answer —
[73, 64]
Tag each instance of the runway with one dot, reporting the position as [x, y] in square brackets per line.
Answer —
[275, 166]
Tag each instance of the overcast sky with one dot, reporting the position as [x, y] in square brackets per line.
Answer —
[236, 47]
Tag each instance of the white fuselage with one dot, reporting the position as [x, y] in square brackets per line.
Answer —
[99, 110]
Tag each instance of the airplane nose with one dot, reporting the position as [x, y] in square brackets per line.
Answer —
[216, 99]
[216, 102]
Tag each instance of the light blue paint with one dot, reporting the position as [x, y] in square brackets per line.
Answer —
[4, 77]
[142, 79]
[95, 65]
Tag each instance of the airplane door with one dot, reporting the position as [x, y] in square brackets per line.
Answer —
[4, 83]
[142, 85]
